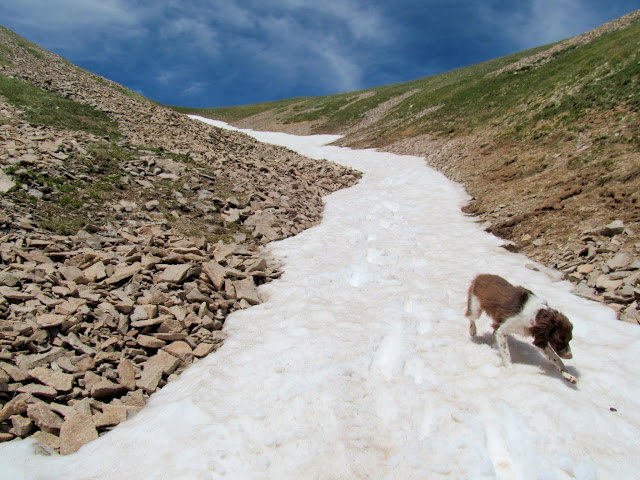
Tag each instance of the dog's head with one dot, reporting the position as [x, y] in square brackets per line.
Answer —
[553, 328]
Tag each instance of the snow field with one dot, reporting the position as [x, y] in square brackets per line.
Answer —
[359, 363]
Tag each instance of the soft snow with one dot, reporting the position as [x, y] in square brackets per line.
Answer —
[359, 363]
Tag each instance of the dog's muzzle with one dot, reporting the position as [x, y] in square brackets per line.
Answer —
[566, 353]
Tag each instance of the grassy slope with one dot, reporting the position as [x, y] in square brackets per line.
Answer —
[338, 112]
[462, 100]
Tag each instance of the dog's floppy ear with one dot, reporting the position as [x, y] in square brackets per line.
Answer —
[545, 324]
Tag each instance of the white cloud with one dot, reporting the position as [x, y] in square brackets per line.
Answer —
[76, 28]
[77, 14]
[312, 57]
[361, 19]
[164, 78]
[195, 88]
[195, 32]
[312, 43]
[540, 22]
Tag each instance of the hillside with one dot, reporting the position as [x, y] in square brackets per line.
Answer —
[128, 233]
[547, 142]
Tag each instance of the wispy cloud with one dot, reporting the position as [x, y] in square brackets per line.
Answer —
[195, 88]
[539, 22]
[363, 20]
[194, 33]
[164, 78]
[74, 27]
[73, 15]
[315, 43]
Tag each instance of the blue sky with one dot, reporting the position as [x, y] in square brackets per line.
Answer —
[206, 53]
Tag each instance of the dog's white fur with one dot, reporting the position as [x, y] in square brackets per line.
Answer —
[527, 306]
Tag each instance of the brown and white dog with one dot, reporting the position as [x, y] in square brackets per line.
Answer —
[516, 310]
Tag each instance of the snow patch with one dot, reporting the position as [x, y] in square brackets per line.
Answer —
[360, 365]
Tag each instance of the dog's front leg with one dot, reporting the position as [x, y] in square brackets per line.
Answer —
[555, 359]
[503, 347]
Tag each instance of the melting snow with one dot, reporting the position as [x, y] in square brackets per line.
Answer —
[359, 363]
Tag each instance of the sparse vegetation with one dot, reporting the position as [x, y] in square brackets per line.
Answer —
[46, 108]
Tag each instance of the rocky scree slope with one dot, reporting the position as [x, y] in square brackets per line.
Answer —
[546, 141]
[125, 241]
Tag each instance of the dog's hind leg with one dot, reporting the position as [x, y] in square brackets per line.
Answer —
[473, 313]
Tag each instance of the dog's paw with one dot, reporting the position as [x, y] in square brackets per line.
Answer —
[569, 378]
[472, 330]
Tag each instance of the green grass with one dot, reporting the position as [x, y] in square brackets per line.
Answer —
[29, 177]
[97, 177]
[106, 159]
[4, 54]
[231, 114]
[46, 108]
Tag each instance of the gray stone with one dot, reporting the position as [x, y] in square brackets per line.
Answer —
[44, 418]
[73, 274]
[621, 260]
[62, 382]
[76, 431]
[630, 315]
[70, 306]
[95, 272]
[614, 228]
[122, 272]
[246, 290]
[16, 405]
[261, 266]
[105, 388]
[6, 183]
[174, 273]
[154, 368]
[179, 349]
[47, 320]
[143, 312]
[232, 215]
[21, 426]
[605, 283]
[583, 290]
[203, 349]
[127, 375]
[150, 342]
[48, 442]
[264, 230]
[216, 273]
[39, 390]
[152, 205]
[77, 344]
[16, 295]
[223, 251]
[16, 373]
[7, 279]
[111, 415]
